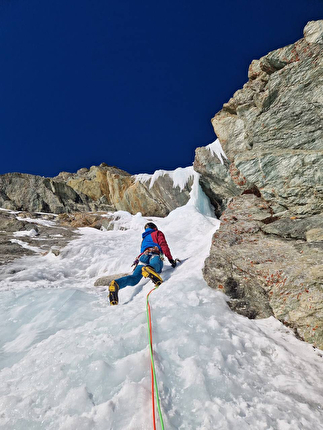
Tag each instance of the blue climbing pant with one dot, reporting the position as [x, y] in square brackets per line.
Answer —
[151, 260]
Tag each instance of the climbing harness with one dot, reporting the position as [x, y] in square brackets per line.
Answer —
[154, 386]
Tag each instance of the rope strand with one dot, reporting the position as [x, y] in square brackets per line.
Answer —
[151, 366]
[154, 386]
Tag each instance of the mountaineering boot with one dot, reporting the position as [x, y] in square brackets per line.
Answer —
[149, 272]
[113, 293]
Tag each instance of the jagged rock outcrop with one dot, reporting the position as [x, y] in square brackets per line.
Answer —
[272, 131]
[123, 191]
[32, 193]
[267, 255]
[157, 199]
[100, 188]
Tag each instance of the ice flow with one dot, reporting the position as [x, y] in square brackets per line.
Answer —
[70, 361]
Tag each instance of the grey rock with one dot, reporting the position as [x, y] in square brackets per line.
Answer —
[295, 228]
[272, 130]
[313, 32]
[31, 193]
[39, 237]
[219, 181]
[105, 281]
[265, 274]
[267, 255]
[10, 251]
[10, 223]
[314, 235]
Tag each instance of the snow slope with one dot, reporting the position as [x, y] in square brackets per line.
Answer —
[70, 361]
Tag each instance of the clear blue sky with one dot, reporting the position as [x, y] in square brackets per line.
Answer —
[131, 83]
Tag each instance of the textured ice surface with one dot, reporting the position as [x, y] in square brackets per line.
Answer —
[216, 149]
[70, 361]
[179, 176]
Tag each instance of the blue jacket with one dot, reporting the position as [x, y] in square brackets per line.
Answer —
[151, 238]
[147, 241]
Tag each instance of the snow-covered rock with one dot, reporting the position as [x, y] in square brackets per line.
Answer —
[100, 188]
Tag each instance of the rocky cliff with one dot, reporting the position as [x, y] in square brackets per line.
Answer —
[100, 188]
[267, 255]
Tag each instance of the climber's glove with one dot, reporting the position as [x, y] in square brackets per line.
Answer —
[173, 263]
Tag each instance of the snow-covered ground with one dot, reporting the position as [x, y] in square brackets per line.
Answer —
[70, 361]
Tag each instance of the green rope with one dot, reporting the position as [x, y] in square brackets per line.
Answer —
[152, 362]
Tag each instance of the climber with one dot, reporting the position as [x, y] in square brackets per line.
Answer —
[149, 262]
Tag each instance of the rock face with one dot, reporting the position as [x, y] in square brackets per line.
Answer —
[100, 188]
[272, 131]
[267, 267]
[37, 194]
[267, 255]
[123, 191]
